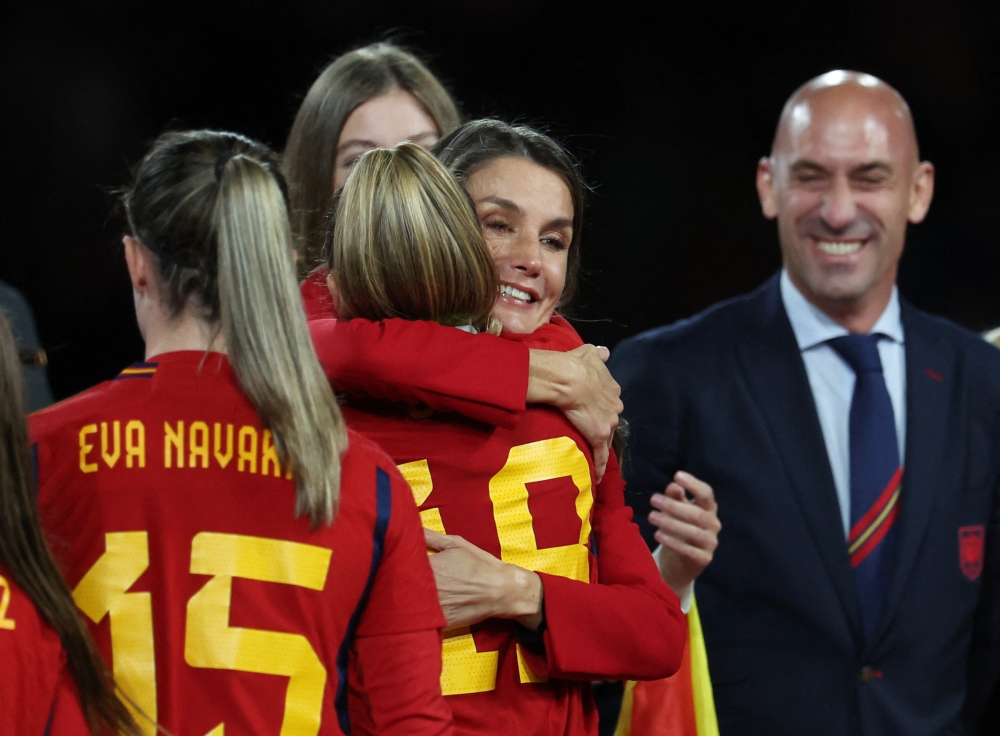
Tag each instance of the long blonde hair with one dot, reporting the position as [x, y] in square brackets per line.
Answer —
[406, 243]
[311, 149]
[211, 206]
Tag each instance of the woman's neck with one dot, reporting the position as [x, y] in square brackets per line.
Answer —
[184, 332]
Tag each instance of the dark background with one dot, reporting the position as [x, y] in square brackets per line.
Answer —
[669, 110]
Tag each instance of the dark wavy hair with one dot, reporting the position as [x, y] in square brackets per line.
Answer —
[475, 144]
[26, 558]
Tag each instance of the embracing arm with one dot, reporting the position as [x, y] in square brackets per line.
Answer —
[479, 376]
[483, 377]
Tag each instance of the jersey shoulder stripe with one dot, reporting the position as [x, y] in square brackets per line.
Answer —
[137, 370]
[383, 511]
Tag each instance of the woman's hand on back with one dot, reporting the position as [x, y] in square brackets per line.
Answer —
[473, 585]
[579, 384]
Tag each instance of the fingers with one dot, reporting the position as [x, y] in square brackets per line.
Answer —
[603, 353]
[701, 491]
[601, 454]
[436, 541]
[692, 553]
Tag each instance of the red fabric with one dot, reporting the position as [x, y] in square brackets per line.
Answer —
[479, 376]
[316, 298]
[665, 707]
[173, 505]
[34, 680]
[597, 628]
[383, 695]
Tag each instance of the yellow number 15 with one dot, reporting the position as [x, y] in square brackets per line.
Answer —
[464, 668]
[209, 640]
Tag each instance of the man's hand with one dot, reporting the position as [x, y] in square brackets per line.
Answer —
[688, 530]
[473, 585]
[581, 386]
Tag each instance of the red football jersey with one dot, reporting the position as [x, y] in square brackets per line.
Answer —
[526, 496]
[36, 688]
[218, 610]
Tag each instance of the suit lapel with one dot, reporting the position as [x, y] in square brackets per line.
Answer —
[775, 374]
[929, 371]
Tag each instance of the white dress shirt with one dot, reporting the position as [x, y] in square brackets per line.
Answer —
[832, 379]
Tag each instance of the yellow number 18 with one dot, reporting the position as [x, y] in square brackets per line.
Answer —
[465, 669]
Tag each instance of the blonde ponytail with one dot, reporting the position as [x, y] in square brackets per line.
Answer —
[265, 331]
[212, 207]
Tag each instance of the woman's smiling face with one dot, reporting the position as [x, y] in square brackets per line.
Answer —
[526, 212]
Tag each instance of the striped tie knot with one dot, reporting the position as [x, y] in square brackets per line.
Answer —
[860, 352]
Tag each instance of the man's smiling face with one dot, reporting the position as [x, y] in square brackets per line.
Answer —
[843, 180]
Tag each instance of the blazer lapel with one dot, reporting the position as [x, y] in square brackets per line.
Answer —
[776, 377]
[929, 371]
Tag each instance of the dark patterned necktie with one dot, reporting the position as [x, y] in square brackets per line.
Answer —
[875, 475]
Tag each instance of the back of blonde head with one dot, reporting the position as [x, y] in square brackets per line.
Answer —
[406, 243]
[212, 208]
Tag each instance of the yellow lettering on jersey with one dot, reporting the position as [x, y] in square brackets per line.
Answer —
[418, 475]
[6, 624]
[111, 459]
[220, 458]
[269, 455]
[211, 642]
[247, 449]
[104, 591]
[531, 463]
[135, 444]
[219, 730]
[464, 669]
[85, 449]
[173, 439]
[198, 444]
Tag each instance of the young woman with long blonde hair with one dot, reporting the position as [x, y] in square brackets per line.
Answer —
[241, 557]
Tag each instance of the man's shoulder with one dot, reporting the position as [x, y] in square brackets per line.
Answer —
[969, 346]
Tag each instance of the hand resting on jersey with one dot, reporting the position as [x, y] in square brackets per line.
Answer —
[473, 585]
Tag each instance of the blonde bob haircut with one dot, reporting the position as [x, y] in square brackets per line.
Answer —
[406, 242]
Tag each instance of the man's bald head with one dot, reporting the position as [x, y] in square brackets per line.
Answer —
[843, 179]
[845, 91]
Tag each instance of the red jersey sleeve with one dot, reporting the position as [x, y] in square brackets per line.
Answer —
[403, 596]
[479, 376]
[630, 626]
[389, 699]
[396, 657]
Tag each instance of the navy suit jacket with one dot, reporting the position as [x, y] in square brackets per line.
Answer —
[725, 396]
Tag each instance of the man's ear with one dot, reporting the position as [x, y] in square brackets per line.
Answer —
[139, 264]
[921, 192]
[765, 187]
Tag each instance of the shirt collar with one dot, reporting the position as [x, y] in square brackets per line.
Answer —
[812, 326]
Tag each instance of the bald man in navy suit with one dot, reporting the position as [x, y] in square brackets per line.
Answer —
[853, 443]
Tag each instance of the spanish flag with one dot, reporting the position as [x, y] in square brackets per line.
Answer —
[681, 705]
